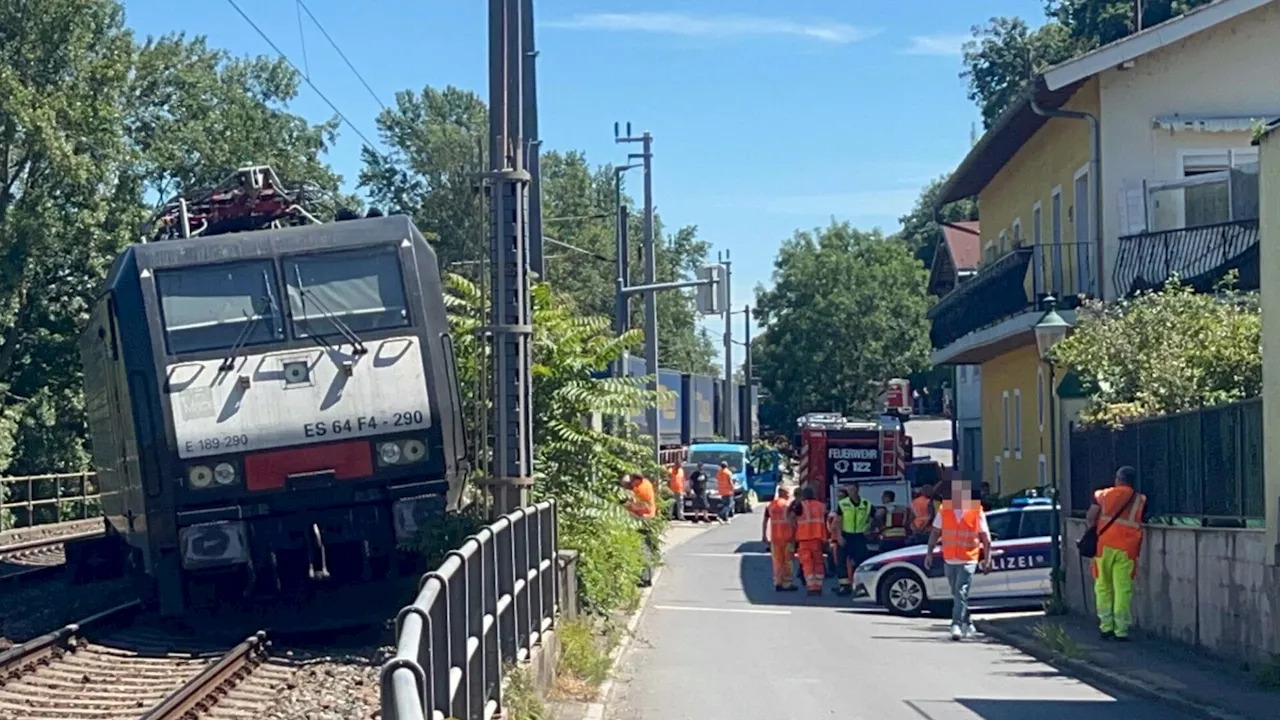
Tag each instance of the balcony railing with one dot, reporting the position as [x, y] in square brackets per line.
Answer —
[1014, 284]
[1199, 256]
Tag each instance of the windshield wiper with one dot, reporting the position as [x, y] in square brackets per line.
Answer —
[243, 338]
[304, 292]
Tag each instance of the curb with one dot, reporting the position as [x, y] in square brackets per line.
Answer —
[595, 709]
[1110, 677]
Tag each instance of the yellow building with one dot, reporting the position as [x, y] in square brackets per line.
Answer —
[1033, 180]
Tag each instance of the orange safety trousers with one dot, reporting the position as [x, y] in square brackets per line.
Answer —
[812, 562]
[784, 554]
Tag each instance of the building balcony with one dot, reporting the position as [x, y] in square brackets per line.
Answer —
[1199, 256]
[985, 315]
[1198, 228]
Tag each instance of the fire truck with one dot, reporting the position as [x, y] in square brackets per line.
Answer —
[835, 451]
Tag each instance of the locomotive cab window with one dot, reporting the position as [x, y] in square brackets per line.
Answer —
[215, 307]
[360, 290]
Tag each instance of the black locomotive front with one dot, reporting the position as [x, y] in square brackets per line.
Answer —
[274, 411]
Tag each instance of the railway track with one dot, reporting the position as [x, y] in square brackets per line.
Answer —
[112, 667]
[34, 559]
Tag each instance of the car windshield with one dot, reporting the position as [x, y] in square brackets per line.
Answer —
[363, 289]
[1003, 524]
[210, 307]
[715, 457]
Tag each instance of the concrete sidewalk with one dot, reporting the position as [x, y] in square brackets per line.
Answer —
[1147, 666]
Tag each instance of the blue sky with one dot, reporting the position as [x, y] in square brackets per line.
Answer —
[767, 116]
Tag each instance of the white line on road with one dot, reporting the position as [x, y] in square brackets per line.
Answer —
[693, 608]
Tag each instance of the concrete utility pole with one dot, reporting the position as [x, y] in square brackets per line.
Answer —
[509, 221]
[650, 275]
[747, 430]
[727, 406]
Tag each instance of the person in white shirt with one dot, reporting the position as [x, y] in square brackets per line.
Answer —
[961, 525]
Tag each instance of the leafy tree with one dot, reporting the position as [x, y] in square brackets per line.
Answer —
[920, 229]
[1001, 58]
[576, 463]
[1004, 52]
[1166, 351]
[846, 312]
[94, 128]
[438, 146]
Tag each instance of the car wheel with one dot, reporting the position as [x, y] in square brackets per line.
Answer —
[902, 593]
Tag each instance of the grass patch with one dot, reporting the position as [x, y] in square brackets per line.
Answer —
[1269, 674]
[1055, 637]
[585, 646]
[520, 699]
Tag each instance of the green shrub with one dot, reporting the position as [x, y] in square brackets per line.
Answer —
[520, 699]
[584, 652]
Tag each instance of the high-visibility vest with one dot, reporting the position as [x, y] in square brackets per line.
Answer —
[922, 519]
[644, 504]
[810, 525]
[895, 524]
[724, 483]
[779, 523]
[1125, 534]
[961, 537]
[855, 519]
[677, 481]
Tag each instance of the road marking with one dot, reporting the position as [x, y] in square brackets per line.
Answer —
[749, 611]
[730, 555]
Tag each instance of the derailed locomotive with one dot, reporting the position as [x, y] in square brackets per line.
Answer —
[273, 402]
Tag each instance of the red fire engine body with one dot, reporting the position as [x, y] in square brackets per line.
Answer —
[833, 450]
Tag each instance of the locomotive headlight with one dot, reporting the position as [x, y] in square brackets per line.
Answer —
[389, 453]
[200, 476]
[224, 473]
[414, 450]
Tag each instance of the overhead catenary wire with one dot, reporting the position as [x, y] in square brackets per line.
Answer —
[302, 37]
[283, 56]
[342, 55]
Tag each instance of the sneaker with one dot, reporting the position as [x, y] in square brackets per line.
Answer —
[970, 631]
[955, 633]
[1121, 638]
[1108, 635]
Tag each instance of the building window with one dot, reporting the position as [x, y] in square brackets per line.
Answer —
[1040, 398]
[989, 253]
[1004, 241]
[1037, 257]
[977, 373]
[1017, 232]
[1004, 399]
[1210, 204]
[1017, 423]
[963, 372]
[997, 473]
[1055, 237]
[1042, 475]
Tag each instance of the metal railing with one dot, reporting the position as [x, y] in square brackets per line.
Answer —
[31, 500]
[487, 607]
[1201, 468]
[1198, 255]
[1064, 270]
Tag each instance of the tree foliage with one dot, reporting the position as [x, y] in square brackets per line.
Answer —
[1166, 351]
[438, 147]
[846, 312]
[576, 462]
[1001, 57]
[94, 129]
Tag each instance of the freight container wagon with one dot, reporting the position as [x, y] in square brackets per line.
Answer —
[671, 409]
[700, 404]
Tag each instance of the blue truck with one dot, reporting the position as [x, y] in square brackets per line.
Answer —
[755, 475]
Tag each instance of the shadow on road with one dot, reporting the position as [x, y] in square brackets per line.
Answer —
[755, 573]
[993, 709]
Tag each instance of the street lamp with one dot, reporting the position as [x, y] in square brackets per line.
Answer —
[1049, 331]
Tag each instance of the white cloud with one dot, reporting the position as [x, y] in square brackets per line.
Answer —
[947, 45]
[723, 26]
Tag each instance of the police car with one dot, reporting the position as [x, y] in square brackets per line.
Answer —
[1020, 549]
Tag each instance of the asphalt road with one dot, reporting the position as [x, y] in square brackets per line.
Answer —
[717, 643]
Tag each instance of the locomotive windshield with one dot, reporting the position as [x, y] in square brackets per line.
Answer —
[213, 307]
[362, 290]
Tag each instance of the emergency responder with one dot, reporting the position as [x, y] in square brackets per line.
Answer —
[1117, 513]
[676, 484]
[724, 485]
[644, 501]
[961, 525]
[891, 522]
[778, 532]
[807, 517]
[922, 514]
[854, 512]
[701, 503]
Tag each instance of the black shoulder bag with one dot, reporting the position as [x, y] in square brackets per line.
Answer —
[1088, 543]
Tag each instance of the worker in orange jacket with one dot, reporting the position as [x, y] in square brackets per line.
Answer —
[676, 484]
[1117, 514]
[810, 516]
[644, 501]
[779, 533]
